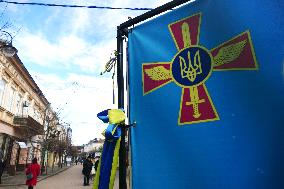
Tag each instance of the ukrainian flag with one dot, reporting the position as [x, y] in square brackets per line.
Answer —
[206, 85]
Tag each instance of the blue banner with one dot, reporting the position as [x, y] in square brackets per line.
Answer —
[206, 85]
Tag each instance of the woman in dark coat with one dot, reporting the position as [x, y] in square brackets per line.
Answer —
[32, 173]
[87, 168]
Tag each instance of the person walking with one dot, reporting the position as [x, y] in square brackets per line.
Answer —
[87, 168]
[32, 173]
[97, 164]
[2, 164]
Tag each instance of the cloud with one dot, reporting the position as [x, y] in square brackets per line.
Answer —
[81, 22]
[73, 44]
[14, 8]
[35, 48]
[103, 22]
[69, 51]
[76, 42]
[78, 98]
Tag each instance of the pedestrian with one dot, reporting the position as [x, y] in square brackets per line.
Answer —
[2, 167]
[76, 161]
[32, 173]
[1, 154]
[2, 164]
[87, 168]
[97, 164]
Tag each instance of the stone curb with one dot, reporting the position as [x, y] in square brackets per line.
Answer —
[40, 179]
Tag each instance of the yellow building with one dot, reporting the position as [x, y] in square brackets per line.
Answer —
[64, 141]
[22, 109]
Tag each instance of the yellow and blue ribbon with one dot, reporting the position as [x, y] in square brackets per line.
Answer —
[108, 163]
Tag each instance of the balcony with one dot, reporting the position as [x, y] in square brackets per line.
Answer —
[28, 124]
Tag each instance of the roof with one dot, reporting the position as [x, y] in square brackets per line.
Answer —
[28, 78]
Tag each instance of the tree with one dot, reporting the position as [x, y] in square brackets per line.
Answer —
[50, 138]
[50, 134]
[73, 152]
[100, 149]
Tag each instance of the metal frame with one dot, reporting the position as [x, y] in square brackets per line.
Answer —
[122, 31]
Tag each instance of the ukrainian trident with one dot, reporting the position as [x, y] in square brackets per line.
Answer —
[192, 66]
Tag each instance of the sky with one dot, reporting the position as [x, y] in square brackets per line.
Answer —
[65, 49]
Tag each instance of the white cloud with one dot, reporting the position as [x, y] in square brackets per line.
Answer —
[79, 98]
[84, 38]
[71, 46]
[80, 21]
[14, 8]
[35, 48]
[103, 22]
[70, 50]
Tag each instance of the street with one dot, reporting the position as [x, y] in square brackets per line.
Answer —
[71, 179]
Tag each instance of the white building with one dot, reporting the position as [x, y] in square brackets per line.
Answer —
[93, 145]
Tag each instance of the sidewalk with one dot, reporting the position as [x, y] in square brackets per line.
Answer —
[20, 177]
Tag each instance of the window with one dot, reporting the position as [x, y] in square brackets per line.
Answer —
[19, 104]
[26, 108]
[3, 84]
[32, 112]
[36, 113]
[11, 97]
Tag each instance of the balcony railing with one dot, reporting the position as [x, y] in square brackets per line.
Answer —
[29, 124]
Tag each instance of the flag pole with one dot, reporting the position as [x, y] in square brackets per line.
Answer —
[120, 83]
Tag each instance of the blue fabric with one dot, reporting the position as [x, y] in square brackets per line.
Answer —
[103, 116]
[245, 149]
[112, 134]
[107, 155]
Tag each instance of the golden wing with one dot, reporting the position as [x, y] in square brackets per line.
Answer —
[158, 73]
[229, 53]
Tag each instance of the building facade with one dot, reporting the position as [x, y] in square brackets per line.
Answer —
[22, 111]
[63, 144]
[93, 146]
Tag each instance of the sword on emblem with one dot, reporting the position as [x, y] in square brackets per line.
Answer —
[194, 101]
[191, 71]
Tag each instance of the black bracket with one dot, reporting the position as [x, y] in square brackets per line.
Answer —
[122, 32]
[130, 125]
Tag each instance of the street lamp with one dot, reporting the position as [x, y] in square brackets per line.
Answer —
[6, 46]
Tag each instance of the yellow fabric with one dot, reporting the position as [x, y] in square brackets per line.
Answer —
[113, 169]
[114, 164]
[97, 177]
[104, 133]
[116, 116]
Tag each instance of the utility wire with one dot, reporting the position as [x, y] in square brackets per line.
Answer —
[72, 6]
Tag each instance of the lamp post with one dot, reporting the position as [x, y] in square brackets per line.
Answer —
[6, 46]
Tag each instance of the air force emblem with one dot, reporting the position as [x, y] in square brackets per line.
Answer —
[192, 66]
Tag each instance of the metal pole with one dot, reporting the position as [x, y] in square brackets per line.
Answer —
[120, 82]
[168, 6]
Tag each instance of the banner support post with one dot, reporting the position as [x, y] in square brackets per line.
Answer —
[120, 83]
